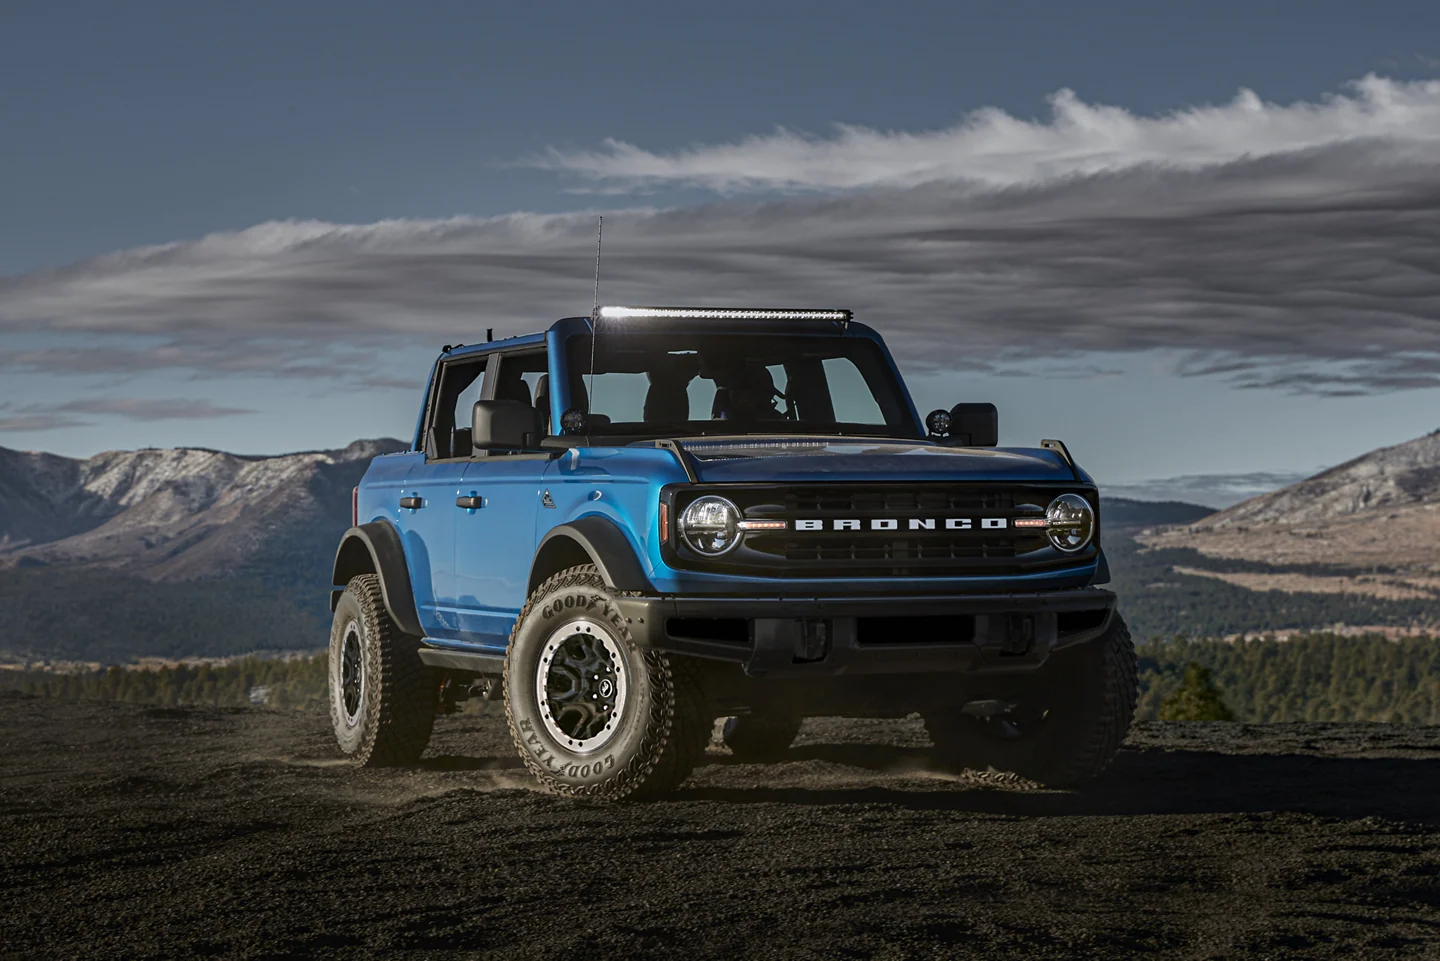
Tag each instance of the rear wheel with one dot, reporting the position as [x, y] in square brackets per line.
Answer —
[382, 698]
[760, 737]
[1063, 729]
[593, 714]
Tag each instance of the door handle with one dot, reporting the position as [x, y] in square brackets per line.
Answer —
[473, 502]
[411, 503]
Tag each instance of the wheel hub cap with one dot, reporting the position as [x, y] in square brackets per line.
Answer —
[580, 685]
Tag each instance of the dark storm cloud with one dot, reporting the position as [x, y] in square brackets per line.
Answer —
[1313, 268]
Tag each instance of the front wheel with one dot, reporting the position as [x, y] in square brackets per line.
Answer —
[1066, 725]
[592, 714]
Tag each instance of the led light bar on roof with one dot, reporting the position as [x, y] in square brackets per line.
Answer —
[719, 313]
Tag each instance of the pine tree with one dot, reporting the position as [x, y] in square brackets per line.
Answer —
[1198, 699]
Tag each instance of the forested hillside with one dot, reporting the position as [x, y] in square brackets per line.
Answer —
[1159, 601]
[1318, 677]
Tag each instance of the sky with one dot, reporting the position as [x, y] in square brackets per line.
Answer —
[1199, 242]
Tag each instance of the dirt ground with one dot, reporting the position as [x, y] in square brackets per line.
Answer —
[132, 832]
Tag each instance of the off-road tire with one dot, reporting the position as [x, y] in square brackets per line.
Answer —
[1090, 692]
[396, 707]
[665, 722]
[760, 738]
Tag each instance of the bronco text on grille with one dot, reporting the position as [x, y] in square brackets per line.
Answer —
[901, 529]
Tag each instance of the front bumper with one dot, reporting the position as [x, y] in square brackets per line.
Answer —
[897, 634]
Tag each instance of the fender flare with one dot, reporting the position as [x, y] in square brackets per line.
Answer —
[1102, 569]
[607, 547]
[376, 547]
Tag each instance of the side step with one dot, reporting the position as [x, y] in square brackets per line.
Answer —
[463, 661]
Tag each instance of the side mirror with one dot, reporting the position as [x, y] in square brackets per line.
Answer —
[974, 425]
[504, 425]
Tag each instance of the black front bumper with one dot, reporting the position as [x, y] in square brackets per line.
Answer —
[797, 636]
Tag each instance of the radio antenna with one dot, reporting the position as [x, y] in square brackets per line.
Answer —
[595, 311]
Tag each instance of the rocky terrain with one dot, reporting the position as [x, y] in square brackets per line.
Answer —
[170, 832]
[1369, 526]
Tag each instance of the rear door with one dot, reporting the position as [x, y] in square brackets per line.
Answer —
[428, 502]
[495, 542]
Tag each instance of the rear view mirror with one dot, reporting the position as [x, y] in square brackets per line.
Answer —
[974, 425]
[504, 425]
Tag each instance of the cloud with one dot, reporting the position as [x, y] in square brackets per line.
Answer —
[993, 148]
[39, 417]
[1299, 251]
[37, 422]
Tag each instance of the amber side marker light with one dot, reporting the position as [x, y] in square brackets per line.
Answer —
[664, 523]
[354, 507]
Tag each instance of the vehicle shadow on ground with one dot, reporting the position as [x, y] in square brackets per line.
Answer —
[1141, 781]
[460, 762]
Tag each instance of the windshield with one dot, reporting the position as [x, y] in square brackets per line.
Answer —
[680, 383]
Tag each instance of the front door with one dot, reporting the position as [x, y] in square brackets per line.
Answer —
[495, 542]
[428, 504]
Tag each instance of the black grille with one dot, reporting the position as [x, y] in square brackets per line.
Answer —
[830, 549]
[886, 553]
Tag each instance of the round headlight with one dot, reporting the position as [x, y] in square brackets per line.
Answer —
[709, 525]
[1070, 522]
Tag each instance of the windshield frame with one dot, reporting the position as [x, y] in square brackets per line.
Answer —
[571, 353]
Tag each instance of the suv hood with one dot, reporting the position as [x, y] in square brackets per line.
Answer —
[761, 459]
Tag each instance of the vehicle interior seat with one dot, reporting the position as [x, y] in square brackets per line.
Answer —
[513, 389]
[668, 399]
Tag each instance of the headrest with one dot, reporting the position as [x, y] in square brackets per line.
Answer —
[515, 389]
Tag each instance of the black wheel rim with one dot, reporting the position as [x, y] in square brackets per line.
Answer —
[581, 685]
[352, 672]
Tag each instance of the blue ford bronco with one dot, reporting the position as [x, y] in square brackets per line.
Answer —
[640, 521]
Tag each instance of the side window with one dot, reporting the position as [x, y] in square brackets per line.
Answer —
[447, 435]
[523, 376]
[465, 403]
[781, 380]
[621, 397]
[702, 398]
[853, 400]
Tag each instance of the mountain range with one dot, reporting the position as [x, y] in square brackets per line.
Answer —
[1369, 526]
[170, 552]
[177, 515]
[191, 551]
